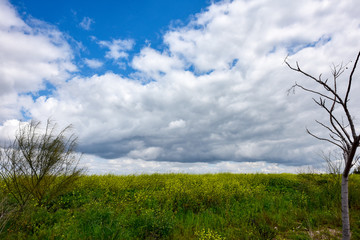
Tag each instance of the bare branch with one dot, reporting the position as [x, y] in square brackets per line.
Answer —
[350, 79]
[312, 91]
[324, 139]
[335, 125]
[330, 130]
[318, 80]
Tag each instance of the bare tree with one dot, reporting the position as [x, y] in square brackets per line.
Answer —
[334, 162]
[340, 127]
[39, 164]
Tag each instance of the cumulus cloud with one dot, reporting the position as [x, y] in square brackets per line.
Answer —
[86, 23]
[232, 107]
[216, 96]
[177, 124]
[8, 129]
[153, 64]
[126, 166]
[93, 63]
[117, 48]
[31, 53]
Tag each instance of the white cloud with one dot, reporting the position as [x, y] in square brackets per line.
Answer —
[154, 64]
[8, 129]
[215, 95]
[93, 63]
[8, 16]
[117, 48]
[235, 107]
[86, 23]
[129, 166]
[150, 153]
[177, 124]
[30, 54]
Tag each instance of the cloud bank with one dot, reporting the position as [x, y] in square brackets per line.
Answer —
[216, 93]
[32, 54]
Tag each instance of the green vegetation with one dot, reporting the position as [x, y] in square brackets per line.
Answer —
[39, 165]
[183, 206]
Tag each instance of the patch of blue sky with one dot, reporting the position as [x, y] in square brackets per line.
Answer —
[296, 47]
[197, 72]
[25, 115]
[233, 63]
[46, 91]
[86, 24]
[273, 50]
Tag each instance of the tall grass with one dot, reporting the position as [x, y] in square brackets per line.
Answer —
[183, 206]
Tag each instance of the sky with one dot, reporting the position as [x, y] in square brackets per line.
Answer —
[176, 86]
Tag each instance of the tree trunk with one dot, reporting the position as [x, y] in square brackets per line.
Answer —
[345, 207]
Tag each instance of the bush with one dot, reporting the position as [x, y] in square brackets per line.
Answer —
[39, 164]
[357, 170]
[6, 211]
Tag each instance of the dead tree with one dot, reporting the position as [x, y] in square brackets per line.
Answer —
[341, 129]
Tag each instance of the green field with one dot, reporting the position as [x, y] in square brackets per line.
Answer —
[184, 206]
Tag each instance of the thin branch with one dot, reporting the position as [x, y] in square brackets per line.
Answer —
[337, 140]
[332, 119]
[318, 80]
[330, 130]
[312, 91]
[350, 78]
[324, 139]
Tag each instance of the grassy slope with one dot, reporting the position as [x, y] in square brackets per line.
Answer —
[181, 206]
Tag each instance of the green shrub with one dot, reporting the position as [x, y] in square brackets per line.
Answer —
[39, 164]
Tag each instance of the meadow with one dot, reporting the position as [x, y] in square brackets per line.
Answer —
[186, 206]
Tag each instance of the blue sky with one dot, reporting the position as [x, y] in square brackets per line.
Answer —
[89, 22]
[175, 86]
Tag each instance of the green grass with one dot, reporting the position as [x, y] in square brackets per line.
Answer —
[182, 206]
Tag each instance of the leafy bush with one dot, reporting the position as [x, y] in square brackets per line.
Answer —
[6, 211]
[39, 164]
